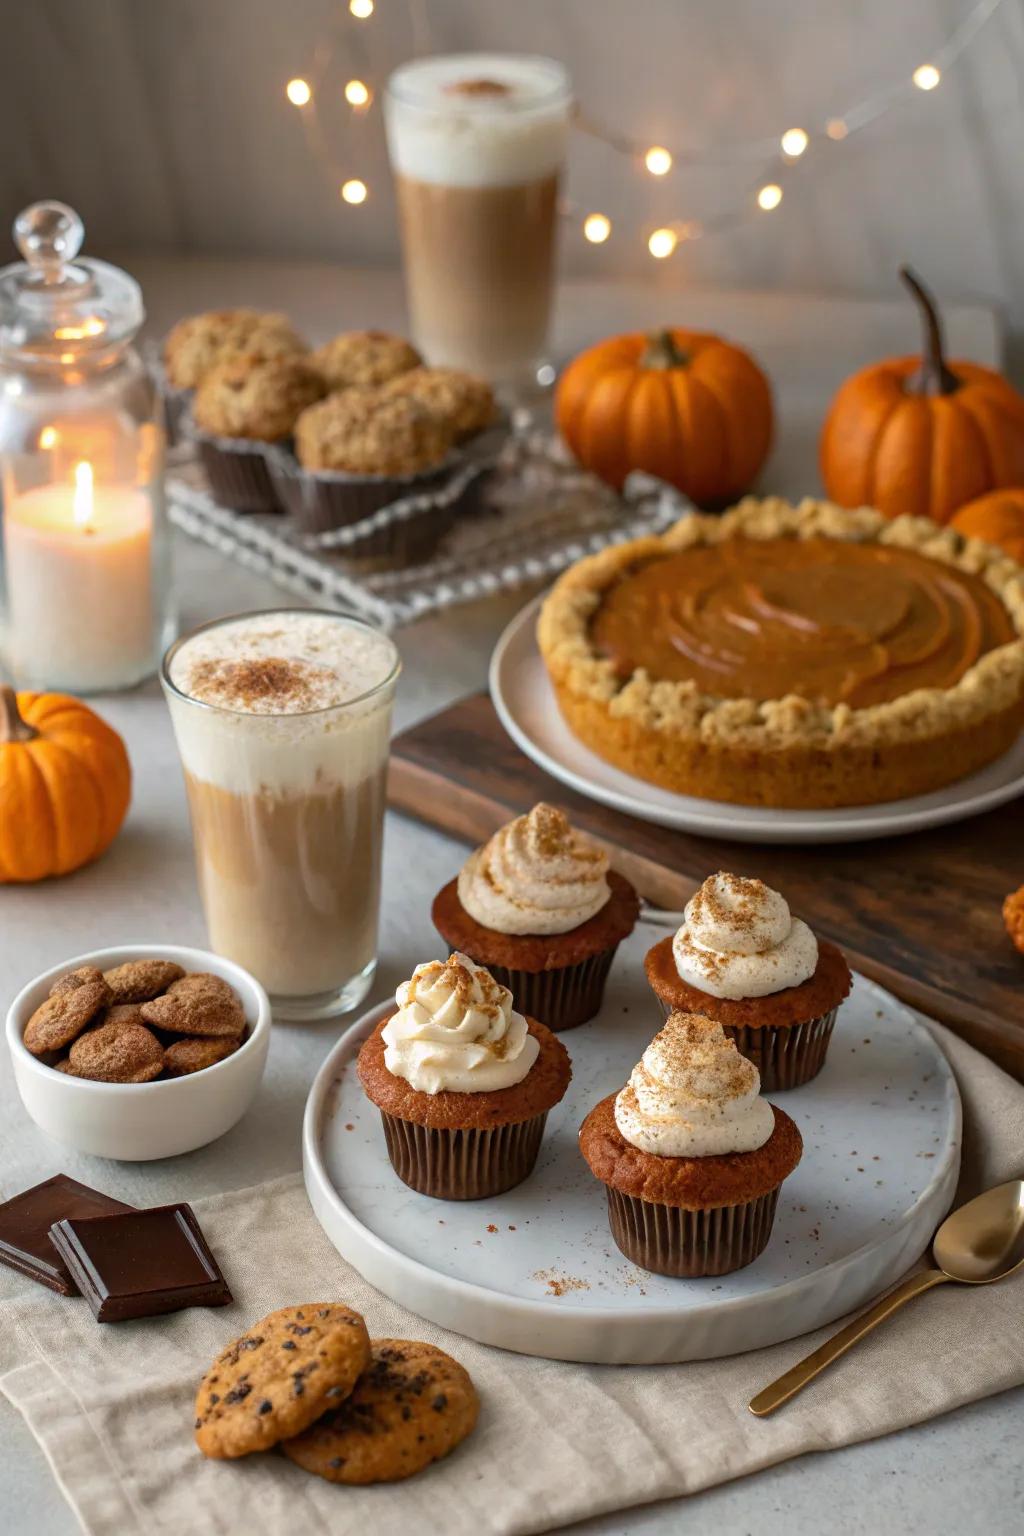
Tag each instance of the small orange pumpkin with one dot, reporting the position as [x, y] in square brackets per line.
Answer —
[998, 518]
[683, 405]
[65, 783]
[917, 435]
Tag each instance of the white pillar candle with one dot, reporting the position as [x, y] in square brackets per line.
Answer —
[79, 575]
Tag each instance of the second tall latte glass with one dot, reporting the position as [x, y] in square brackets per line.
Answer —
[282, 720]
[476, 143]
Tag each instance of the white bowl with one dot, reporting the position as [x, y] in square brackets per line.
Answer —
[140, 1121]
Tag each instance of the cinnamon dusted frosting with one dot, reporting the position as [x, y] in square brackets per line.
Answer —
[693, 1095]
[456, 1031]
[536, 875]
[740, 940]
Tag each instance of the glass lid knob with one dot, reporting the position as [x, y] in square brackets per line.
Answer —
[49, 236]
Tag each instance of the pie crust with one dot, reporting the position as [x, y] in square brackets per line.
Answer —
[790, 751]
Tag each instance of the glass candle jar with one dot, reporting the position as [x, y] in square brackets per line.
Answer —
[83, 537]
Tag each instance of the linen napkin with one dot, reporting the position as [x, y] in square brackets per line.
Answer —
[112, 1406]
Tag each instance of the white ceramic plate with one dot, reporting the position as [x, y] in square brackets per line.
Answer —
[535, 1270]
[526, 706]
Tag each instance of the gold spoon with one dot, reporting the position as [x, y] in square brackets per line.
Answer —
[981, 1242]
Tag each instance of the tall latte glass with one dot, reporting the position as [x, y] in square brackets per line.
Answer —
[282, 721]
[476, 143]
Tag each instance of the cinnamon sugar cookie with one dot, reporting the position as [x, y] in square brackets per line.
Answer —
[198, 1004]
[62, 1018]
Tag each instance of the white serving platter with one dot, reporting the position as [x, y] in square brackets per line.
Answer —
[535, 1270]
[526, 705]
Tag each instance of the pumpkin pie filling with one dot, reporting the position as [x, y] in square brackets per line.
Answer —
[832, 622]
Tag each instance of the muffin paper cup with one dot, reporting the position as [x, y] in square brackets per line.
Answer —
[463, 1164]
[321, 500]
[236, 469]
[668, 1240]
[562, 998]
[786, 1055]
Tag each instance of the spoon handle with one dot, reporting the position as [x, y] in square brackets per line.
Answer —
[797, 1377]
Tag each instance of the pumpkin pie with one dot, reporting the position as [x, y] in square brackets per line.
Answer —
[786, 655]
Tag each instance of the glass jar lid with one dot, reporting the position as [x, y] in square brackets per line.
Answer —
[56, 306]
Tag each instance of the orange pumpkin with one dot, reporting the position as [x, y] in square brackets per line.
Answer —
[997, 518]
[919, 435]
[683, 405]
[65, 783]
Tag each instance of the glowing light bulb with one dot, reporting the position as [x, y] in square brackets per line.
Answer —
[298, 92]
[49, 437]
[354, 191]
[658, 161]
[361, 9]
[662, 243]
[597, 228]
[769, 197]
[836, 129]
[794, 141]
[926, 77]
[357, 94]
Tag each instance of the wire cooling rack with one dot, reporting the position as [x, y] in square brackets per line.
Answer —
[532, 513]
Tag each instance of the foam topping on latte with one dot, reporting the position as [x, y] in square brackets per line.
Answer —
[456, 1031]
[693, 1095]
[740, 940]
[536, 875]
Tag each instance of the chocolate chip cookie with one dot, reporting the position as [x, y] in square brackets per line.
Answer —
[277, 1378]
[412, 1406]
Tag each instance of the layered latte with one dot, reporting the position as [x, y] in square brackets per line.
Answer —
[282, 721]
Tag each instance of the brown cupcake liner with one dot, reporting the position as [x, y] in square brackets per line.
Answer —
[668, 1240]
[786, 1055]
[562, 998]
[236, 470]
[320, 501]
[463, 1164]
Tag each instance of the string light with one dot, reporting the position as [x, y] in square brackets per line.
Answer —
[597, 228]
[926, 77]
[836, 129]
[49, 437]
[361, 9]
[769, 197]
[662, 243]
[298, 92]
[658, 161]
[794, 141]
[357, 94]
[354, 191]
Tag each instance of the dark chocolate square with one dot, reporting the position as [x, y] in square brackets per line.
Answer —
[141, 1263]
[25, 1223]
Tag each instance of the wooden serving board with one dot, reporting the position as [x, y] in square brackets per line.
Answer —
[920, 914]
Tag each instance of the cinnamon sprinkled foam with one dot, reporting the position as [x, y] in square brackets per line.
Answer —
[740, 940]
[693, 1095]
[536, 875]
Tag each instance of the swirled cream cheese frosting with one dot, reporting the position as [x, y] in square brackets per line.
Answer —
[535, 875]
[693, 1095]
[456, 1031]
[740, 940]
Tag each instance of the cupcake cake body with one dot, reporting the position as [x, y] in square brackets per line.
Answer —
[539, 907]
[463, 1082]
[743, 959]
[692, 1157]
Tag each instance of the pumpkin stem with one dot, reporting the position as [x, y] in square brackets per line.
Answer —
[12, 726]
[663, 351]
[933, 377]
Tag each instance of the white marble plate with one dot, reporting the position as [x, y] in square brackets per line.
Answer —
[535, 1270]
[526, 706]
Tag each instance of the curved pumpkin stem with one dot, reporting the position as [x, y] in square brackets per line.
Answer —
[663, 351]
[933, 377]
[12, 726]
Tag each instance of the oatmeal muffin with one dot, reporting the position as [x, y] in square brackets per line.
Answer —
[200, 342]
[366, 432]
[364, 358]
[255, 397]
[461, 399]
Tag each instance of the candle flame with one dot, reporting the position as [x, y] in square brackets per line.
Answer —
[82, 500]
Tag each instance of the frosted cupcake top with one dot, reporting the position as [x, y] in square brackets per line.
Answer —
[739, 940]
[536, 875]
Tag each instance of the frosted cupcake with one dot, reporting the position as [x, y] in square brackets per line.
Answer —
[692, 1157]
[743, 959]
[538, 905]
[462, 1081]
